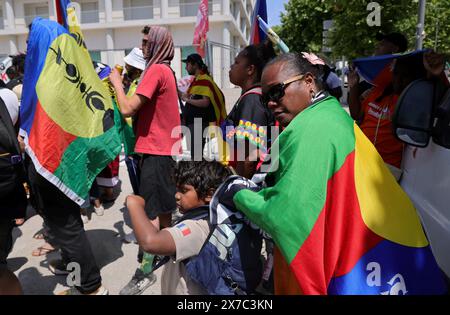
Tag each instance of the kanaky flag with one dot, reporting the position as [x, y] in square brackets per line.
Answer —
[257, 34]
[61, 12]
[342, 222]
[201, 28]
[377, 70]
[67, 113]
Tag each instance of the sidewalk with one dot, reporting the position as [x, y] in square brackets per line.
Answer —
[116, 259]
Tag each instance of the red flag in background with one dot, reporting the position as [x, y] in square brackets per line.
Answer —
[201, 28]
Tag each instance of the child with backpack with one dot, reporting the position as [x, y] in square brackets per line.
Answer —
[205, 258]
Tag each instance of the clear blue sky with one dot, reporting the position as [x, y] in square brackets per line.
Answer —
[274, 9]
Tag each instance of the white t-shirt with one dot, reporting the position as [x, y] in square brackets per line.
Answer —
[12, 103]
[189, 237]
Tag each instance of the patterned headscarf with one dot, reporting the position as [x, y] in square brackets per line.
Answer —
[160, 48]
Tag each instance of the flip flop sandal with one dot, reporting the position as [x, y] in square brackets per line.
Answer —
[42, 251]
[39, 236]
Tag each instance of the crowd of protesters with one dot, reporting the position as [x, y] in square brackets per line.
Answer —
[174, 203]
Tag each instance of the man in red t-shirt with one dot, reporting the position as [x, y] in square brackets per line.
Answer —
[155, 104]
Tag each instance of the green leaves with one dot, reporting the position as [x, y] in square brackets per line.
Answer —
[302, 25]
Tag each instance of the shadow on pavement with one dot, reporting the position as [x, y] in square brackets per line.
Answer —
[106, 246]
[126, 217]
[33, 282]
[16, 263]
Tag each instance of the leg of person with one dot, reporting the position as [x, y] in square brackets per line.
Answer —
[158, 191]
[64, 221]
[9, 284]
[95, 193]
[75, 248]
[132, 163]
[50, 244]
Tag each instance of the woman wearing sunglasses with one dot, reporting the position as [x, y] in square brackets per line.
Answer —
[341, 222]
[247, 127]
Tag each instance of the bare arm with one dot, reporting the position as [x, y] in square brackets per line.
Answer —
[128, 106]
[149, 237]
[354, 102]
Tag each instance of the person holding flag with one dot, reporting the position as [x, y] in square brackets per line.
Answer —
[69, 131]
[155, 104]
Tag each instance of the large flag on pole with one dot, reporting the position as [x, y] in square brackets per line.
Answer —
[274, 38]
[257, 34]
[67, 114]
[201, 28]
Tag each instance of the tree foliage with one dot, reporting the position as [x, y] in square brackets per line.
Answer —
[351, 36]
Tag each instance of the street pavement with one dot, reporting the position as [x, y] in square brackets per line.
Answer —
[116, 259]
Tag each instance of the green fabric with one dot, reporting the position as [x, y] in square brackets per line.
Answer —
[90, 163]
[311, 149]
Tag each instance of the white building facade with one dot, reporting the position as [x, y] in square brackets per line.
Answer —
[113, 27]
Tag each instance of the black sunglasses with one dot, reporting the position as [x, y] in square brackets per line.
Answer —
[277, 92]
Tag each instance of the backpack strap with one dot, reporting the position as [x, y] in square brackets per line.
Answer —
[256, 90]
[4, 115]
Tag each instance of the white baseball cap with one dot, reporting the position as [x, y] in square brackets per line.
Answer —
[135, 59]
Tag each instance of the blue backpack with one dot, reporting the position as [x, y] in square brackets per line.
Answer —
[229, 262]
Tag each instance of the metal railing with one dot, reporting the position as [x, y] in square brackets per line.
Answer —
[191, 8]
[30, 18]
[138, 13]
[90, 16]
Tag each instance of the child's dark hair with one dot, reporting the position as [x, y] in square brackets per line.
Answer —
[259, 55]
[296, 64]
[203, 176]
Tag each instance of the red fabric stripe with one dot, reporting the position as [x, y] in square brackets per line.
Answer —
[339, 237]
[255, 36]
[210, 85]
[59, 15]
[47, 140]
[385, 76]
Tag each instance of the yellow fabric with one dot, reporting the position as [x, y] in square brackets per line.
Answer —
[131, 92]
[215, 95]
[69, 110]
[385, 207]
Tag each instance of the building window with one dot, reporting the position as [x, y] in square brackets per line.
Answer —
[89, 12]
[33, 10]
[2, 24]
[138, 9]
[243, 26]
[190, 7]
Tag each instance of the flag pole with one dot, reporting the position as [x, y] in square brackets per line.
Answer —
[272, 35]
